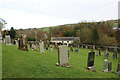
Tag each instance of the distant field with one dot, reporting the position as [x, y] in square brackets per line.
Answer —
[33, 64]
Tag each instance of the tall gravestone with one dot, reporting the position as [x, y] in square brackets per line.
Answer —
[22, 43]
[7, 40]
[90, 62]
[63, 55]
[42, 47]
[91, 56]
[16, 42]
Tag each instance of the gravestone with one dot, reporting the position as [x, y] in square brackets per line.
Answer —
[76, 50]
[106, 53]
[7, 40]
[86, 47]
[105, 65]
[93, 47]
[63, 55]
[42, 47]
[30, 45]
[22, 43]
[99, 52]
[115, 52]
[51, 49]
[91, 56]
[109, 66]
[90, 62]
[118, 69]
[0, 38]
[16, 42]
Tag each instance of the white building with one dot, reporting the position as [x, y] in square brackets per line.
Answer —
[65, 40]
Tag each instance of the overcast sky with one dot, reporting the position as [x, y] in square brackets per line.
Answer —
[44, 13]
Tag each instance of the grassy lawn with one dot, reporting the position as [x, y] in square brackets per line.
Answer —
[33, 64]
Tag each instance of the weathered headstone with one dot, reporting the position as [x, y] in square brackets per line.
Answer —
[63, 56]
[86, 47]
[51, 49]
[99, 52]
[91, 56]
[106, 53]
[22, 43]
[115, 53]
[109, 66]
[16, 42]
[42, 47]
[76, 50]
[93, 47]
[7, 40]
[105, 65]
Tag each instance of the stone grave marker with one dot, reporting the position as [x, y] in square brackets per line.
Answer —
[22, 43]
[63, 56]
[105, 65]
[42, 47]
[7, 40]
[99, 52]
[115, 53]
[51, 49]
[118, 69]
[90, 62]
[86, 47]
[91, 56]
[106, 53]
[109, 66]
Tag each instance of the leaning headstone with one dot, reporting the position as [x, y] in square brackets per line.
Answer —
[105, 65]
[7, 40]
[91, 56]
[63, 56]
[109, 66]
[115, 53]
[42, 47]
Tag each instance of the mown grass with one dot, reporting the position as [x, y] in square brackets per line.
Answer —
[33, 64]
